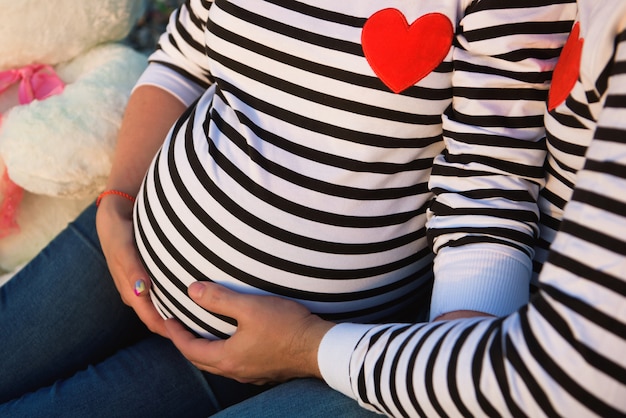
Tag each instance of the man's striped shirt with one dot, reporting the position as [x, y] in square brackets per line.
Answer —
[564, 353]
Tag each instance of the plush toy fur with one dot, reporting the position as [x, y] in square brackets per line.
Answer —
[59, 149]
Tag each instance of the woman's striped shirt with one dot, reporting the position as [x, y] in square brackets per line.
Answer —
[303, 167]
[564, 353]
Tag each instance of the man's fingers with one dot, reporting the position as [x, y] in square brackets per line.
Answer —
[205, 354]
[218, 299]
[197, 350]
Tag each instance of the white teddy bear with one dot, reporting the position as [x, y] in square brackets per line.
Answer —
[64, 83]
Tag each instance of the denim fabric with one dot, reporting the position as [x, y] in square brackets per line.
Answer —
[302, 398]
[71, 348]
[147, 379]
[61, 313]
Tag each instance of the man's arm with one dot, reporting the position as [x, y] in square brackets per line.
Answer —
[483, 221]
[561, 355]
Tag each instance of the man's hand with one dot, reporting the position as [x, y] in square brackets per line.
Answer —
[276, 339]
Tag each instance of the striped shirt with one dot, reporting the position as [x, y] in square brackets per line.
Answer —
[302, 168]
[565, 353]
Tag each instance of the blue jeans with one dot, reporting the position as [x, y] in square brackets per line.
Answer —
[302, 398]
[69, 347]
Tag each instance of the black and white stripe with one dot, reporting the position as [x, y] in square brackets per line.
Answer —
[300, 173]
[563, 354]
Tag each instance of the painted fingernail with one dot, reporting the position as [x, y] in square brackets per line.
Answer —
[140, 287]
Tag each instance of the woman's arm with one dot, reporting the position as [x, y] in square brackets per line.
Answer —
[178, 73]
[149, 116]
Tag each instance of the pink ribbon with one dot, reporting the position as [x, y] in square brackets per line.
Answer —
[36, 82]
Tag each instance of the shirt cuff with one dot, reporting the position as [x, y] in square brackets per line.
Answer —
[169, 80]
[484, 278]
[335, 352]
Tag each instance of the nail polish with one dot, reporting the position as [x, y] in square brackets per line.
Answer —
[140, 287]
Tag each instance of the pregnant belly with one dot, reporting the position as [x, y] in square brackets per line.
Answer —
[337, 257]
[336, 279]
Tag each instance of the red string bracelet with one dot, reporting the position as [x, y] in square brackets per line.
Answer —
[115, 192]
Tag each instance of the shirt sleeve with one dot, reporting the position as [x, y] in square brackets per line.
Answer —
[179, 65]
[184, 89]
[487, 179]
[560, 355]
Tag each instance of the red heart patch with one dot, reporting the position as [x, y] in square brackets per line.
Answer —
[401, 54]
[567, 69]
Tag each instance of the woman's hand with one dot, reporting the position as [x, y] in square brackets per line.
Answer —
[115, 230]
[149, 115]
[276, 339]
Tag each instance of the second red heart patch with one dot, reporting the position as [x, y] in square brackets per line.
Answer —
[567, 69]
[401, 54]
